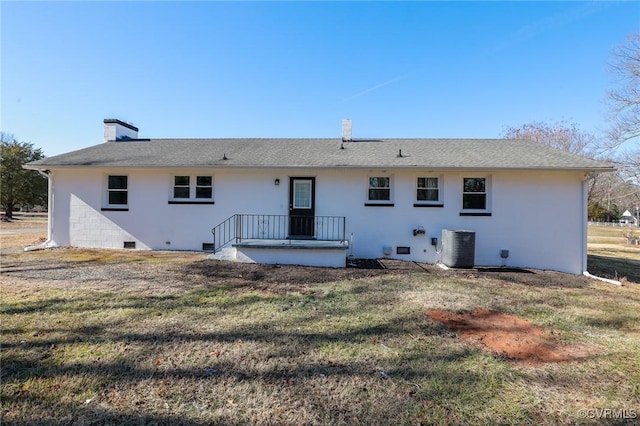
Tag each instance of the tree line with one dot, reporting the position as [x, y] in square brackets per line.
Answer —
[609, 195]
[19, 187]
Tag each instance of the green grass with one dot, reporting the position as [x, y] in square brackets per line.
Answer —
[353, 352]
[197, 349]
[610, 256]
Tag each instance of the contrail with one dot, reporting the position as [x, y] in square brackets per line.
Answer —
[376, 87]
[547, 23]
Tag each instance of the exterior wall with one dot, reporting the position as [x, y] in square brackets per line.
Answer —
[529, 217]
[309, 257]
[531, 212]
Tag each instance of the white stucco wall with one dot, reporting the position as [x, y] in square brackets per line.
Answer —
[537, 216]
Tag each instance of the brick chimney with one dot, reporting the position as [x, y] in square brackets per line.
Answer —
[116, 130]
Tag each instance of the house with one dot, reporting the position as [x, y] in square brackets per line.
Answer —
[319, 201]
[628, 219]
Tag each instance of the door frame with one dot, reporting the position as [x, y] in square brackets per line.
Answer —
[306, 226]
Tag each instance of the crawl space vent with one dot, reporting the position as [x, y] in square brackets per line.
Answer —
[207, 246]
[403, 250]
[129, 244]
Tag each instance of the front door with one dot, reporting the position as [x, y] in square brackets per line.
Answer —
[302, 206]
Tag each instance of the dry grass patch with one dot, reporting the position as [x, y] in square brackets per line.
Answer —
[127, 337]
[187, 341]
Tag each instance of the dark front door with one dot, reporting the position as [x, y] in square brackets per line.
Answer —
[302, 207]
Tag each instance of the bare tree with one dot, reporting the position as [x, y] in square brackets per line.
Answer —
[625, 98]
[613, 189]
[624, 115]
[561, 135]
[566, 136]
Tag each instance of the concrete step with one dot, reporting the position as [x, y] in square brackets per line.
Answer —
[231, 254]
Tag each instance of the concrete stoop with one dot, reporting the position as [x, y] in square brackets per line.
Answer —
[231, 254]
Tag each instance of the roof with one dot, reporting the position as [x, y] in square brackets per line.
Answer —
[323, 153]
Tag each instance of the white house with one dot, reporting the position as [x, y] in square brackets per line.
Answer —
[628, 219]
[317, 201]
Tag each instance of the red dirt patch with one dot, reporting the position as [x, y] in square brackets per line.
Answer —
[512, 337]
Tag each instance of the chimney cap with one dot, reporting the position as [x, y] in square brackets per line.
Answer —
[120, 122]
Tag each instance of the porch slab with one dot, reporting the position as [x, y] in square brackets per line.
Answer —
[330, 254]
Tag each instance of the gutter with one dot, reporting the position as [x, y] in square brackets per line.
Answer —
[49, 243]
[585, 228]
[585, 224]
[483, 169]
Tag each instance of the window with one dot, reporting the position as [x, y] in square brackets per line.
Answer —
[379, 188]
[117, 193]
[204, 188]
[181, 187]
[192, 190]
[302, 194]
[474, 193]
[428, 189]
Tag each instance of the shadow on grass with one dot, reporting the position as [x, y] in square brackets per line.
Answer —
[374, 396]
[264, 331]
[614, 268]
[88, 304]
[352, 348]
[270, 354]
[622, 321]
[24, 369]
[78, 414]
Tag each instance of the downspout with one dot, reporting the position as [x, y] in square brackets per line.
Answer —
[585, 229]
[585, 224]
[49, 243]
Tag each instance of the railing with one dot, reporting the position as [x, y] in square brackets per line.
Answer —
[277, 227]
[224, 233]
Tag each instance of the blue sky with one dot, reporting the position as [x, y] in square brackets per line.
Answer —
[296, 69]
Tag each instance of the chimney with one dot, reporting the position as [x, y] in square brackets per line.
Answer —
[116, 130]
[346, 130]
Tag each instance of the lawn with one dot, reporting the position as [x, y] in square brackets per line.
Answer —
[609, 254]
[137, 338]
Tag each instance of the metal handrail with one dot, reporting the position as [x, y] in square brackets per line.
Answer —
[277, 227]
[224, 233]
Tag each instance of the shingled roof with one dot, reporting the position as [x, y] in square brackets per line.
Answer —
[323, 153]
